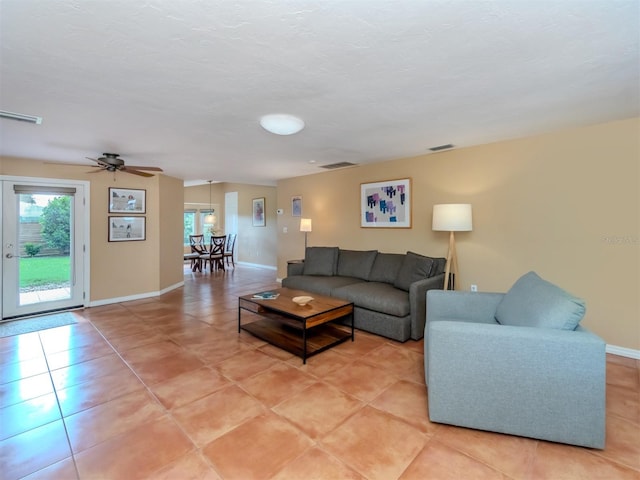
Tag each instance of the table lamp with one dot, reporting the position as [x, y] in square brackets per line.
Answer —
[305, 226]
[452, 217]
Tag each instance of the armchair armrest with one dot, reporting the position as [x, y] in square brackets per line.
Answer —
[417, 302]
[478, 307]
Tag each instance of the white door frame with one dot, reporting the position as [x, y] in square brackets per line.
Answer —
[86, 218]
[231, 217]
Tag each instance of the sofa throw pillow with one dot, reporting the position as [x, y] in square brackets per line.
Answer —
[356, 263]
[534, 302]
[414, 267]
[386, 267]
[320, 261]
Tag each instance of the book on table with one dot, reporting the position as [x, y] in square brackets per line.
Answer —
[266, 295]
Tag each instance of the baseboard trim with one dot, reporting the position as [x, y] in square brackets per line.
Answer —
[258, 265]
[623, 352]
[139, 296]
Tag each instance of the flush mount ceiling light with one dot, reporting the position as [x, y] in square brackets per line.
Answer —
[281, 124]
[20, 117]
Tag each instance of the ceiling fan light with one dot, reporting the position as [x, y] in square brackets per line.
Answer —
[281, 124]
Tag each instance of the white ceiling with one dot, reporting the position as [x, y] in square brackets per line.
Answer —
[181, 84]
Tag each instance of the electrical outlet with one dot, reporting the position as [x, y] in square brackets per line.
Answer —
[474, 288]
[285, 230]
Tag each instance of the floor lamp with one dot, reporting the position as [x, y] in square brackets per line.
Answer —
[305, 226]
[452, 217]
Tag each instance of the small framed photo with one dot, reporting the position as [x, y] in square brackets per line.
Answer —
[296, 206]
[123, 200]
[127, 229]
[258, 215]
[386, 204]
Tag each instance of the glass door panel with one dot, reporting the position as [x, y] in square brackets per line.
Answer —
[42, 260]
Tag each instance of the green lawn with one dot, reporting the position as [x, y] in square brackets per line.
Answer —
[44, 271]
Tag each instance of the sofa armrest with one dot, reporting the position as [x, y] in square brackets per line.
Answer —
[417, 302]
[535, 382]
[295, 267]
[479, 307]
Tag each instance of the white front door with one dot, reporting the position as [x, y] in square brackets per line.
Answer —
[43, 246]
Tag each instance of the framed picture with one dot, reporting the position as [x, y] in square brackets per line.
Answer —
[296, 206]
[123, 200]
[127, 229]
[258, 219]
[386, 204]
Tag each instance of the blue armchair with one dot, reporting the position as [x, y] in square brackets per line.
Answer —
[533, 375]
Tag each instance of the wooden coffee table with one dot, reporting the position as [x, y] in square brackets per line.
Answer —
[301, 330]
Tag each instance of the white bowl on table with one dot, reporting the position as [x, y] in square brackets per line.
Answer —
[302, 300]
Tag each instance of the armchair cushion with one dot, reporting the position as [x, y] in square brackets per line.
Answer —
[534, 302]
[414, 267]
[321, 261]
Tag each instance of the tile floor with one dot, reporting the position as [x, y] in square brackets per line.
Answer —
[166, 388]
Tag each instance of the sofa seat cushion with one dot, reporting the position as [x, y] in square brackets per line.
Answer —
[356, 263]
[321, 261]
[534, 302]
[320, 284]
[377, 296]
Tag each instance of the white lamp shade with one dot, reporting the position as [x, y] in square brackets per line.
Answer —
[452, 217]
[305, 224]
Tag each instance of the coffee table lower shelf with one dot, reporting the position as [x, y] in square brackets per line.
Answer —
[289, 338]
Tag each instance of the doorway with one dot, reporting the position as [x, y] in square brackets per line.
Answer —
[44, 236]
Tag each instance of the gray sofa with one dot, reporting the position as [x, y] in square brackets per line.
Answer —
[516, 363]
[388, 290]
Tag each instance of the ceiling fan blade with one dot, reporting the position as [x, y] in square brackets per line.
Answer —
[95, 171]
[99, 162]
[136, 172]
[68, 164]
[138, 167]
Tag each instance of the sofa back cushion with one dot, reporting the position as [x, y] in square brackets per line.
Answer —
[414, 267]
[320, 261]
[386, 267]
[534, 302]
[356, 263]
[439, 265]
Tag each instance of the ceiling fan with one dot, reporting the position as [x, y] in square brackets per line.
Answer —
[112, 163]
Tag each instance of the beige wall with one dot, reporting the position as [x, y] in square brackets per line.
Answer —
[564, 204]
[256, 245]
[171, 221]
[122, 269]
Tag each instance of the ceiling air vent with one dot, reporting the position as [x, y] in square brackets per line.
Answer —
[333, 166]
[441, 147]
[20, 117]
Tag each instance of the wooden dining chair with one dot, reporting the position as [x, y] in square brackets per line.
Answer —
[215, 255]
[230, 248]
[197, 247]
